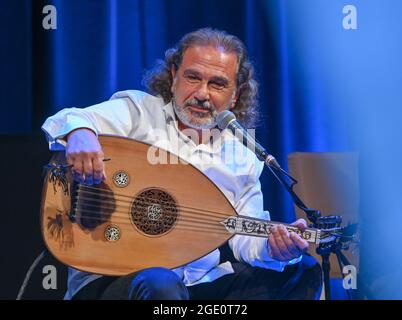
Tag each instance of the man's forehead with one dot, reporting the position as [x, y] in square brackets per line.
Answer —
[211, 58]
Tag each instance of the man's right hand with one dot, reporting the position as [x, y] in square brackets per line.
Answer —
[85, 154]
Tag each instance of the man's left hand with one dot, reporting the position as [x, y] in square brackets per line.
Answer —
[285, 245]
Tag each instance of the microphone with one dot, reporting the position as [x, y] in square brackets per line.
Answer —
[227, 119]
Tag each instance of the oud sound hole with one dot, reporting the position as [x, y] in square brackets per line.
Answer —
[154, 212]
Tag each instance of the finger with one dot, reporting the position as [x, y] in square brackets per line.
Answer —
[300, 223]
[277, 233]
[88, 171]
[70, 163]
[274, 251]
[290, 245]
[98, 169]
[78, 170]
[299, 242]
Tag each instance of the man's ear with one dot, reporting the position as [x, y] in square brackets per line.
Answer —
[234, 99]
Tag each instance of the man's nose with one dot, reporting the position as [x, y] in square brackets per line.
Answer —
[202, 94]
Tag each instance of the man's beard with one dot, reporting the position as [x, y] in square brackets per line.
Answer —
[193, 119]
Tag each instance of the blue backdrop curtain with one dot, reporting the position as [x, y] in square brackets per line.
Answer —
[100, 47]
[322, 87]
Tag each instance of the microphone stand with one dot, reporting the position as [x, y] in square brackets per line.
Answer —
[319, 222]
[227, 120]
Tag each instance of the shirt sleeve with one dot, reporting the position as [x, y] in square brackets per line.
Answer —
[249, 249]
[118, 116]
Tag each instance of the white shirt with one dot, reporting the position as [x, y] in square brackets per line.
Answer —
[143, 117]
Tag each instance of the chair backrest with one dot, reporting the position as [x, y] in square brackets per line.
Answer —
[328, 182]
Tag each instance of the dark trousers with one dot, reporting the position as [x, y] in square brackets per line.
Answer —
[300, 281]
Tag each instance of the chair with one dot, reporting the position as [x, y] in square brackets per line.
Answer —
[328, 182]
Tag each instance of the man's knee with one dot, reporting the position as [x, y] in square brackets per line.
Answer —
[305, 282]
[313, 267]
[311, 277]
[157, 284]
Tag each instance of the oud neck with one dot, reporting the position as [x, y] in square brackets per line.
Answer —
[262, 228]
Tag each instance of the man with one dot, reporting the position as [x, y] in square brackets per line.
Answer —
[207, 73]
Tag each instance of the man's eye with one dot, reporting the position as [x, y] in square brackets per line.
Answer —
[192, 78]
[217, 85]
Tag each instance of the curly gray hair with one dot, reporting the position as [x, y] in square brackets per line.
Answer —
[159, 79]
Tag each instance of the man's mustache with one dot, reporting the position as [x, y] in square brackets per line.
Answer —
[205, 105]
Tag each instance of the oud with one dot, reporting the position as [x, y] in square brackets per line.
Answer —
[142, 215]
